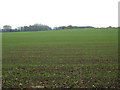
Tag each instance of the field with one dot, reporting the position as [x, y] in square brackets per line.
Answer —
[73, 58]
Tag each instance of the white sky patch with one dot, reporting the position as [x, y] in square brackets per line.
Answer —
[98, 13]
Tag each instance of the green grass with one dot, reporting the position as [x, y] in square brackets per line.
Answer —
[75, 58]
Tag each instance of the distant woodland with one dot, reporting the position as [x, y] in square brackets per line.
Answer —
[40, 27]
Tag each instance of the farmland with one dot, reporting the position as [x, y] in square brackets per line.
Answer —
[71, 58]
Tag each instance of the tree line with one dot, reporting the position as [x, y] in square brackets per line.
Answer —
[38, 27]
[35, 27]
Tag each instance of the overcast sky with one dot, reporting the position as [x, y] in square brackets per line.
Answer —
[98, 13]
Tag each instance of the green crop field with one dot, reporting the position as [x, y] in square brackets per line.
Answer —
[73, 58]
